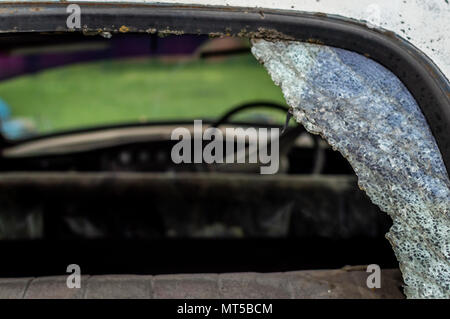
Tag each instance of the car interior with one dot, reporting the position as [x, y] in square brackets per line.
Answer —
[86, 171]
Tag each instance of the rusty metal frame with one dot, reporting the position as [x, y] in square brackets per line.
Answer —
[431, 89]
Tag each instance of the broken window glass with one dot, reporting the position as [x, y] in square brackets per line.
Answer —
[366, 113]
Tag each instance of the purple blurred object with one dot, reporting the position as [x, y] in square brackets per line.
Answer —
[116, 47]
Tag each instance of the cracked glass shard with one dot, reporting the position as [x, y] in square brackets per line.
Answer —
[368, 115]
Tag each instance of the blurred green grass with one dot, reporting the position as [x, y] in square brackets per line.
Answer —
[137, 90]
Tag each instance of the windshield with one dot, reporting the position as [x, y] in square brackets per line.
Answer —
[70, 86]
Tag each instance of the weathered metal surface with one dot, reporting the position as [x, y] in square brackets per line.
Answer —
[340, 283]
[367, 114]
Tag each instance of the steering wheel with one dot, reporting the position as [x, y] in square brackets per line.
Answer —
[288, 136]
[246, 106]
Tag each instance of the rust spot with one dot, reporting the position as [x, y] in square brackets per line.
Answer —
[390, 34]
[215, 35]
[266, 34]
[124, 29]
[321, 14]
[167, 31]
[315, 41]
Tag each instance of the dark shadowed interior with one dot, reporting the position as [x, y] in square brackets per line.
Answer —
[86, 171]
